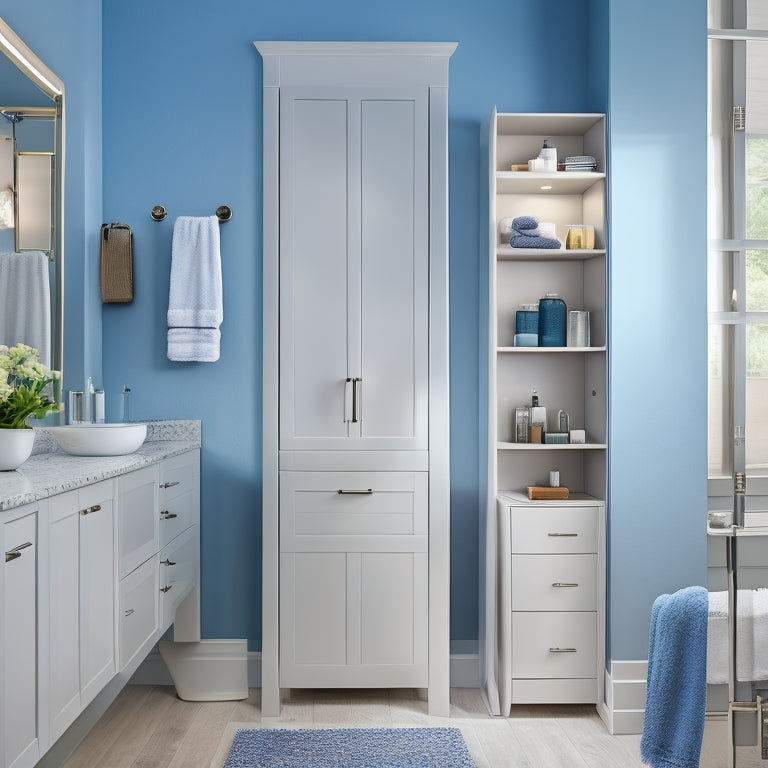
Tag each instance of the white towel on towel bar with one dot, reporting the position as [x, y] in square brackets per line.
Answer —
[195, 308]
[25, 302]
[751, 631]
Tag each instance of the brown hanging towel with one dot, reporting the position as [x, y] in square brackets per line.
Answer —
[116, 263]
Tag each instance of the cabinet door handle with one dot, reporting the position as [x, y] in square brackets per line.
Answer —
[564, 584]
[170, 485]
[166, 589]
[355, 399]
[562, 534]
[130, 611]
[167, 562]
[167, 515]
[366, 491]
[563, 650]
[348, 387]
[15, 553]
[88, 510]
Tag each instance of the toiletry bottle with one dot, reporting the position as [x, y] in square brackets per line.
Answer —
[552, 325]
[88, 400]
[537, 420]
[549, 155]
[527, 319]
[125, 395]
[521, 424]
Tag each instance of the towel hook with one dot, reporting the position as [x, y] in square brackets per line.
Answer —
[158, 213]
[223, 213]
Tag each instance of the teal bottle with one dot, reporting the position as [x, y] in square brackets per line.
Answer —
[552, 321]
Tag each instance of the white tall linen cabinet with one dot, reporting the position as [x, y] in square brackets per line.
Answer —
[356, 463]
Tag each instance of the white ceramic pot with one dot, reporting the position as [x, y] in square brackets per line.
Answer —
[15, 447]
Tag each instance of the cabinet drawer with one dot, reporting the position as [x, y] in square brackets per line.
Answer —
[138, 609]
[551, 645]
[353, 511]
[554, 582]
[138, 523]
[179, 475]
[554, 530]
[178, 573]
[176, 515]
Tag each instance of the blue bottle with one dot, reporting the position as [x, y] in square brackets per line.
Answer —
[552, 323]
[527, 319]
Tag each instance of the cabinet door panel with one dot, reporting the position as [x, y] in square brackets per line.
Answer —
[138, 518]
[394, 272]
[17, 639]
[313, 269]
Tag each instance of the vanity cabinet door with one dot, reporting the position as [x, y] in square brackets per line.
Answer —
[138, 518]
[18, 646]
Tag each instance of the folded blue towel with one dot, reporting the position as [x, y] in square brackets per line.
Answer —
[677, 672]
[528, 241]
[525, 222]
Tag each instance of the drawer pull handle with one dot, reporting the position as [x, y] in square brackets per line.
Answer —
[130, 611]
[170, 485]
[365, 491]
[562, 534]
[88, 510]
[564, 584]
[167, 562]
[167, 515]
[15, 553]
[562, 650]
[166, 589]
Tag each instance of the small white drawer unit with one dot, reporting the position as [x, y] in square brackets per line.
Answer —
[551, 610]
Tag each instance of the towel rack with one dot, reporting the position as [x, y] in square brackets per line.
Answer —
[223, 213]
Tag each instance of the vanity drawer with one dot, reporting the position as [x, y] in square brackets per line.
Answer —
[552, 645]
[176, 515]
[179, 475]
[554, 582]
[553, 530]
[353, 511]
[178, 573]
[138, 524]
[138, 603]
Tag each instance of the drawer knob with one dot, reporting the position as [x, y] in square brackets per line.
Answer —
[562, 650]
[562, 534]
[15, 553]
[365, 491]
[170, 485]
[166, 515]
[564, 584]
[167, 561]
[166, 589]
[89, 510]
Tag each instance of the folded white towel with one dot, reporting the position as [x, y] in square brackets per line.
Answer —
[25, 302]
[195, 300]
[751, 631]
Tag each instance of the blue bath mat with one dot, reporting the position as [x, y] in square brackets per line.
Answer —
[349, 748]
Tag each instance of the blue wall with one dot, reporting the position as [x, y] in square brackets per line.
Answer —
[658, 412]
[182, 127]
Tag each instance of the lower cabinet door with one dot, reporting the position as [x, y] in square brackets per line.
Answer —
[138, 609]
[353, 619]
[178, 573]
[19, 746]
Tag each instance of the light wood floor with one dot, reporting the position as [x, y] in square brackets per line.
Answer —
[149, 727]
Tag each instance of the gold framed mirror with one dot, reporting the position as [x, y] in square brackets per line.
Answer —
[31, 201]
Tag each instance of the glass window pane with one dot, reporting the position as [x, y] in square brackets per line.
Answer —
[718, 399]
[757, 281]
[757, 396]
[757, 14]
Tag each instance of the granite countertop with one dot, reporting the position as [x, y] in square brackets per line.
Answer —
[50, 470]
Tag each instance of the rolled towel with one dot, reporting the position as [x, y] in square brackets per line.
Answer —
[527, 241]
[525, 222]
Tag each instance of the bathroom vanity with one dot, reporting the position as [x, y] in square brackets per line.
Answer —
[101, 558]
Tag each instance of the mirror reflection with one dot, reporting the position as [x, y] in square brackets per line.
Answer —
[31, 201]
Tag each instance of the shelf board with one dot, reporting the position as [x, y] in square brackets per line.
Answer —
[508, 253]
[576, 499]
[562, 182]
[550, 446]
[546, 350]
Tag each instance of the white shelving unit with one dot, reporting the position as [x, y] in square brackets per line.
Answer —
[573, 379]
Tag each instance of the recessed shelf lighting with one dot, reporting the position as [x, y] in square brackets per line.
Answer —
[547, 186]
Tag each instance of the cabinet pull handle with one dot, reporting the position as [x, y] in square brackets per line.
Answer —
[166, 515]
[355, 405]
[170, 485]
[167, 562]
[562, 534]
[564, 584]
[563, 650]
[88, 510]
[348, 387]
[166, 589]
[130, 611]
[366, 491]
[15, 553]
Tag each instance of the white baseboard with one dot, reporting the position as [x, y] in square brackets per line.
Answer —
[465, 670]
[624, 708]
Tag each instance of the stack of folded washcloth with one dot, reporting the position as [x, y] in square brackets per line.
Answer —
[526, 234]
[575, 163]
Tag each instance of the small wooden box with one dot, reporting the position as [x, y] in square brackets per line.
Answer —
[545, 492]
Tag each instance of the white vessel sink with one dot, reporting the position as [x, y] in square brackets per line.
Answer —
[100, 439]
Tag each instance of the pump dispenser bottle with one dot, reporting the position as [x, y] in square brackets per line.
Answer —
[549, 155]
